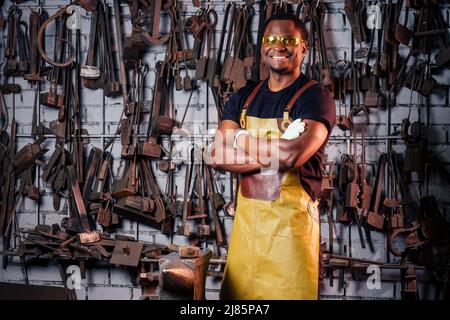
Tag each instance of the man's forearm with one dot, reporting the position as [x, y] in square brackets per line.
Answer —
[233, 160]
[269, 153]
[238, 168]
[283, 154]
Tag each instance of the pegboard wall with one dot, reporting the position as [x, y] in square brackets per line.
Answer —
[100, 116]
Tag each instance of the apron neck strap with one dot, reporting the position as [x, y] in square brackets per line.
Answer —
[250, 98]
[253, 94]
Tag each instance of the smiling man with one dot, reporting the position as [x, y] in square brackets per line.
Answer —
[281, 124]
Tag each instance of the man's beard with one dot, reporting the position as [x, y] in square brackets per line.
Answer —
[279, 71]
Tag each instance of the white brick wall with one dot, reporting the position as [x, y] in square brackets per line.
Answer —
[114, 283]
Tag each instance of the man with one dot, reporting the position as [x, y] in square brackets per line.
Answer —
[274, 247]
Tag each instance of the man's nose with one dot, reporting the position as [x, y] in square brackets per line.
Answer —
[280, 47]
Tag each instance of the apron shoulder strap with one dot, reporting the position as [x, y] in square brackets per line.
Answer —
[308, 85]
[247, 103]
[286, 121]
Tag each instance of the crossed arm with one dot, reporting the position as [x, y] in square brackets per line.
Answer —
[249, 157]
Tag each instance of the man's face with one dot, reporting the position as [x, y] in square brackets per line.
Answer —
[279, 58]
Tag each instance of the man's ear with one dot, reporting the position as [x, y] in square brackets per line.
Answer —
[261, 55]
[304, 48]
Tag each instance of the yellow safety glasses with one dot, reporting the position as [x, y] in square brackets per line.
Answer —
[287, 41]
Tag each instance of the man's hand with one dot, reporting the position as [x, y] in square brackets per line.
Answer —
[208, 154]
[223, 156]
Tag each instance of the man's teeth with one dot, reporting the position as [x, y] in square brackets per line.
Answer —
[279, 57]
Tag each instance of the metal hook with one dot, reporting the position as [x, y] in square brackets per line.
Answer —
[144, 69]
[211, 25]
[199, 12]
[60, 193]
[4, 119]
[208, 6]
[12, 9]
[339, 63]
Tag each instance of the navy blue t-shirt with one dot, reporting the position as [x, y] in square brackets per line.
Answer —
[315, 104]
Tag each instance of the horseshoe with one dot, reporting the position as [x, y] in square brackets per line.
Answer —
[396, 233]
[88, 5]
[40, 40]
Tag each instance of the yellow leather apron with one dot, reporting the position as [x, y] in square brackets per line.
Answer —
[274, 247]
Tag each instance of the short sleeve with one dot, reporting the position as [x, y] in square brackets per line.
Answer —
[316, 104]
[231, 110]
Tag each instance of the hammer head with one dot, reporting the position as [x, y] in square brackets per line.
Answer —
[89, 237]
